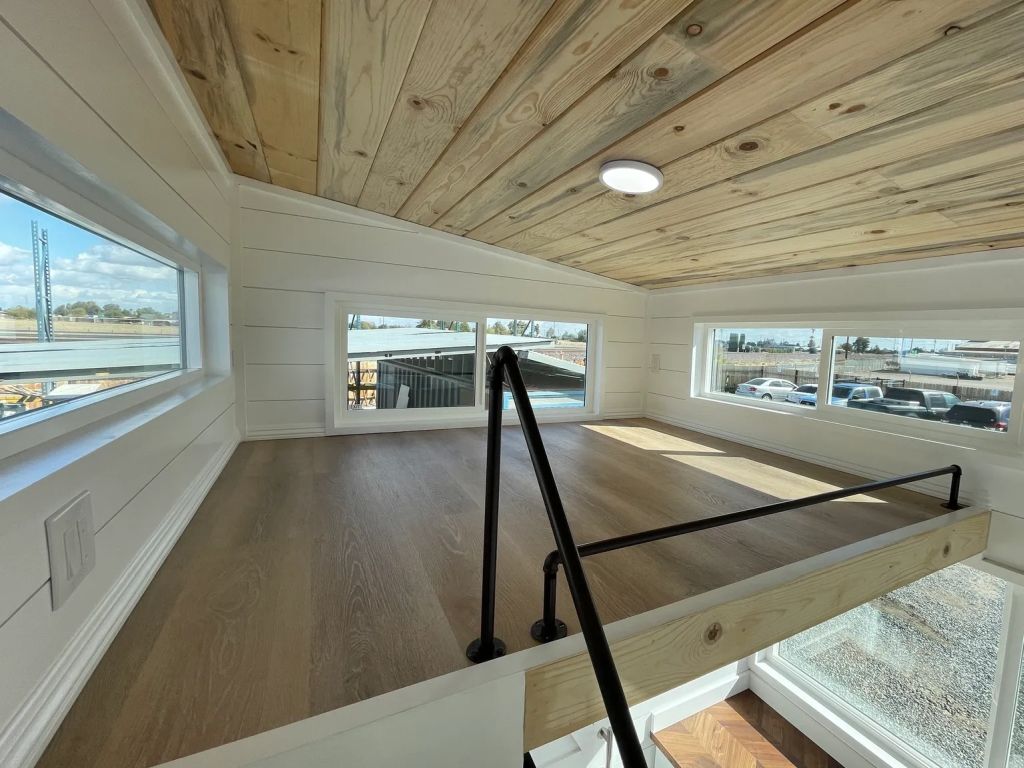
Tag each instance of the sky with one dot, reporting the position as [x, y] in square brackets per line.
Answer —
[801, 335]
[83, 265]
[406, 322]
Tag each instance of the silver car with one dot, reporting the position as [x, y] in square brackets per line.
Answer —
[766, 389]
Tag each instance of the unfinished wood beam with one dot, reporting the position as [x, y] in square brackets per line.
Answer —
[365, 56]
[573, 48]
[197, 32]
[278, 46]
[849, 43]
[562, 696]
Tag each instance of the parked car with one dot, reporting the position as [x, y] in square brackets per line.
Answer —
[843, 392]
[982, 414]
[805, 394]
[766, 389]
[905, 401]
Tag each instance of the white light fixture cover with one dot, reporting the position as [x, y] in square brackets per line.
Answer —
[630, 176]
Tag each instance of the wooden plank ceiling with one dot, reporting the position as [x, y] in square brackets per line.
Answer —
[794, 135]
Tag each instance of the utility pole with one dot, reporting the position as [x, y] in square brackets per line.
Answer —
[44, 293]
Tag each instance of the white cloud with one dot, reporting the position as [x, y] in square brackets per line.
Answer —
[106, 273]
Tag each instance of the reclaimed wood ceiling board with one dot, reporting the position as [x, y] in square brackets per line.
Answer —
[794, 135]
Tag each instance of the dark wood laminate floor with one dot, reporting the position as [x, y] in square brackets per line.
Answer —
[320, 572]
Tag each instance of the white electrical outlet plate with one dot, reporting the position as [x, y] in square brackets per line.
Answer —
[71, 544]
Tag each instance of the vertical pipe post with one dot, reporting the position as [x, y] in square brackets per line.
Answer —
[601, 658]
[487, 646]
[550, 627]
[954, 488]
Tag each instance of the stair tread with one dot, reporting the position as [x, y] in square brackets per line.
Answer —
[718, 737]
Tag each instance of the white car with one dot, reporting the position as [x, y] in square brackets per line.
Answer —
[766, 389]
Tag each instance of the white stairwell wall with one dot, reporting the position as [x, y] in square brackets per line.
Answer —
[293, 248]
[93, 115]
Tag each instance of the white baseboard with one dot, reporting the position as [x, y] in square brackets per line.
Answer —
[27, 733]
[315, 430]
[933, 487]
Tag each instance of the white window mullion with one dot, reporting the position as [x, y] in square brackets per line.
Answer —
[1008, 676]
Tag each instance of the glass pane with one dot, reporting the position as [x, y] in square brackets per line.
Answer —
[964, 382]
[552, 357]
[405, 362]
[79, 314]
[1017, 740]
[920, 661]
[769, 364]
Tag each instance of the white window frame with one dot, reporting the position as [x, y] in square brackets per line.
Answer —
[812, 707]
[998, 323]
[31, 429]
[340, 420]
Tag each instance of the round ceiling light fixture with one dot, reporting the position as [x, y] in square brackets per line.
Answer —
[630, 176]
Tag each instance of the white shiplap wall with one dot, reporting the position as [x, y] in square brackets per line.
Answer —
[94, 86]
[293, 248]
[970, 282]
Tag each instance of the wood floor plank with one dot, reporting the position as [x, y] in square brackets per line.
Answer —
[740, 732]
[319, 572]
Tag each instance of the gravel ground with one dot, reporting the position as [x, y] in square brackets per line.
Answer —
[919, 661]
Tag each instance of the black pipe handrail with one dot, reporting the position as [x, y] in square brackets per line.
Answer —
[550, 627]
[505, 364]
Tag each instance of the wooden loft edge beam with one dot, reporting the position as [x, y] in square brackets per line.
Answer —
[733, 622]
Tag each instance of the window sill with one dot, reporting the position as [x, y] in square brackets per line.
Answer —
[23, 433]
[963, 438]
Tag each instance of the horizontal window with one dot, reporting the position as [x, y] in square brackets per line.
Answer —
[79, 313]
[767, 364]
[403, 362]
[966, 383]
[552, 357]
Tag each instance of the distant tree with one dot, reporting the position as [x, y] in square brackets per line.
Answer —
[111, 310]
[464, 327]
[21, 313]
[812, 347]
[550, 333]
[366, 325]
[499, 329]
[861, 344]
[77, 312]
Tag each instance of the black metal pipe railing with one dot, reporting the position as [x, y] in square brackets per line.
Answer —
[550, 627]
[505, 365]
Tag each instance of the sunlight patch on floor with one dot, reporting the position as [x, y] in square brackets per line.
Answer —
[649, 439]
[762, 477]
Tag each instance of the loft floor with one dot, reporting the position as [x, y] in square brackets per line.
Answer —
[320, 572]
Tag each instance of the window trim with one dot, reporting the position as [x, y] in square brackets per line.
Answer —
[340, 420]
[29, 430]
[1000, 323]
[862, 734]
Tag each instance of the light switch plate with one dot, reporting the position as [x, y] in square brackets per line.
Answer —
[71, 544]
